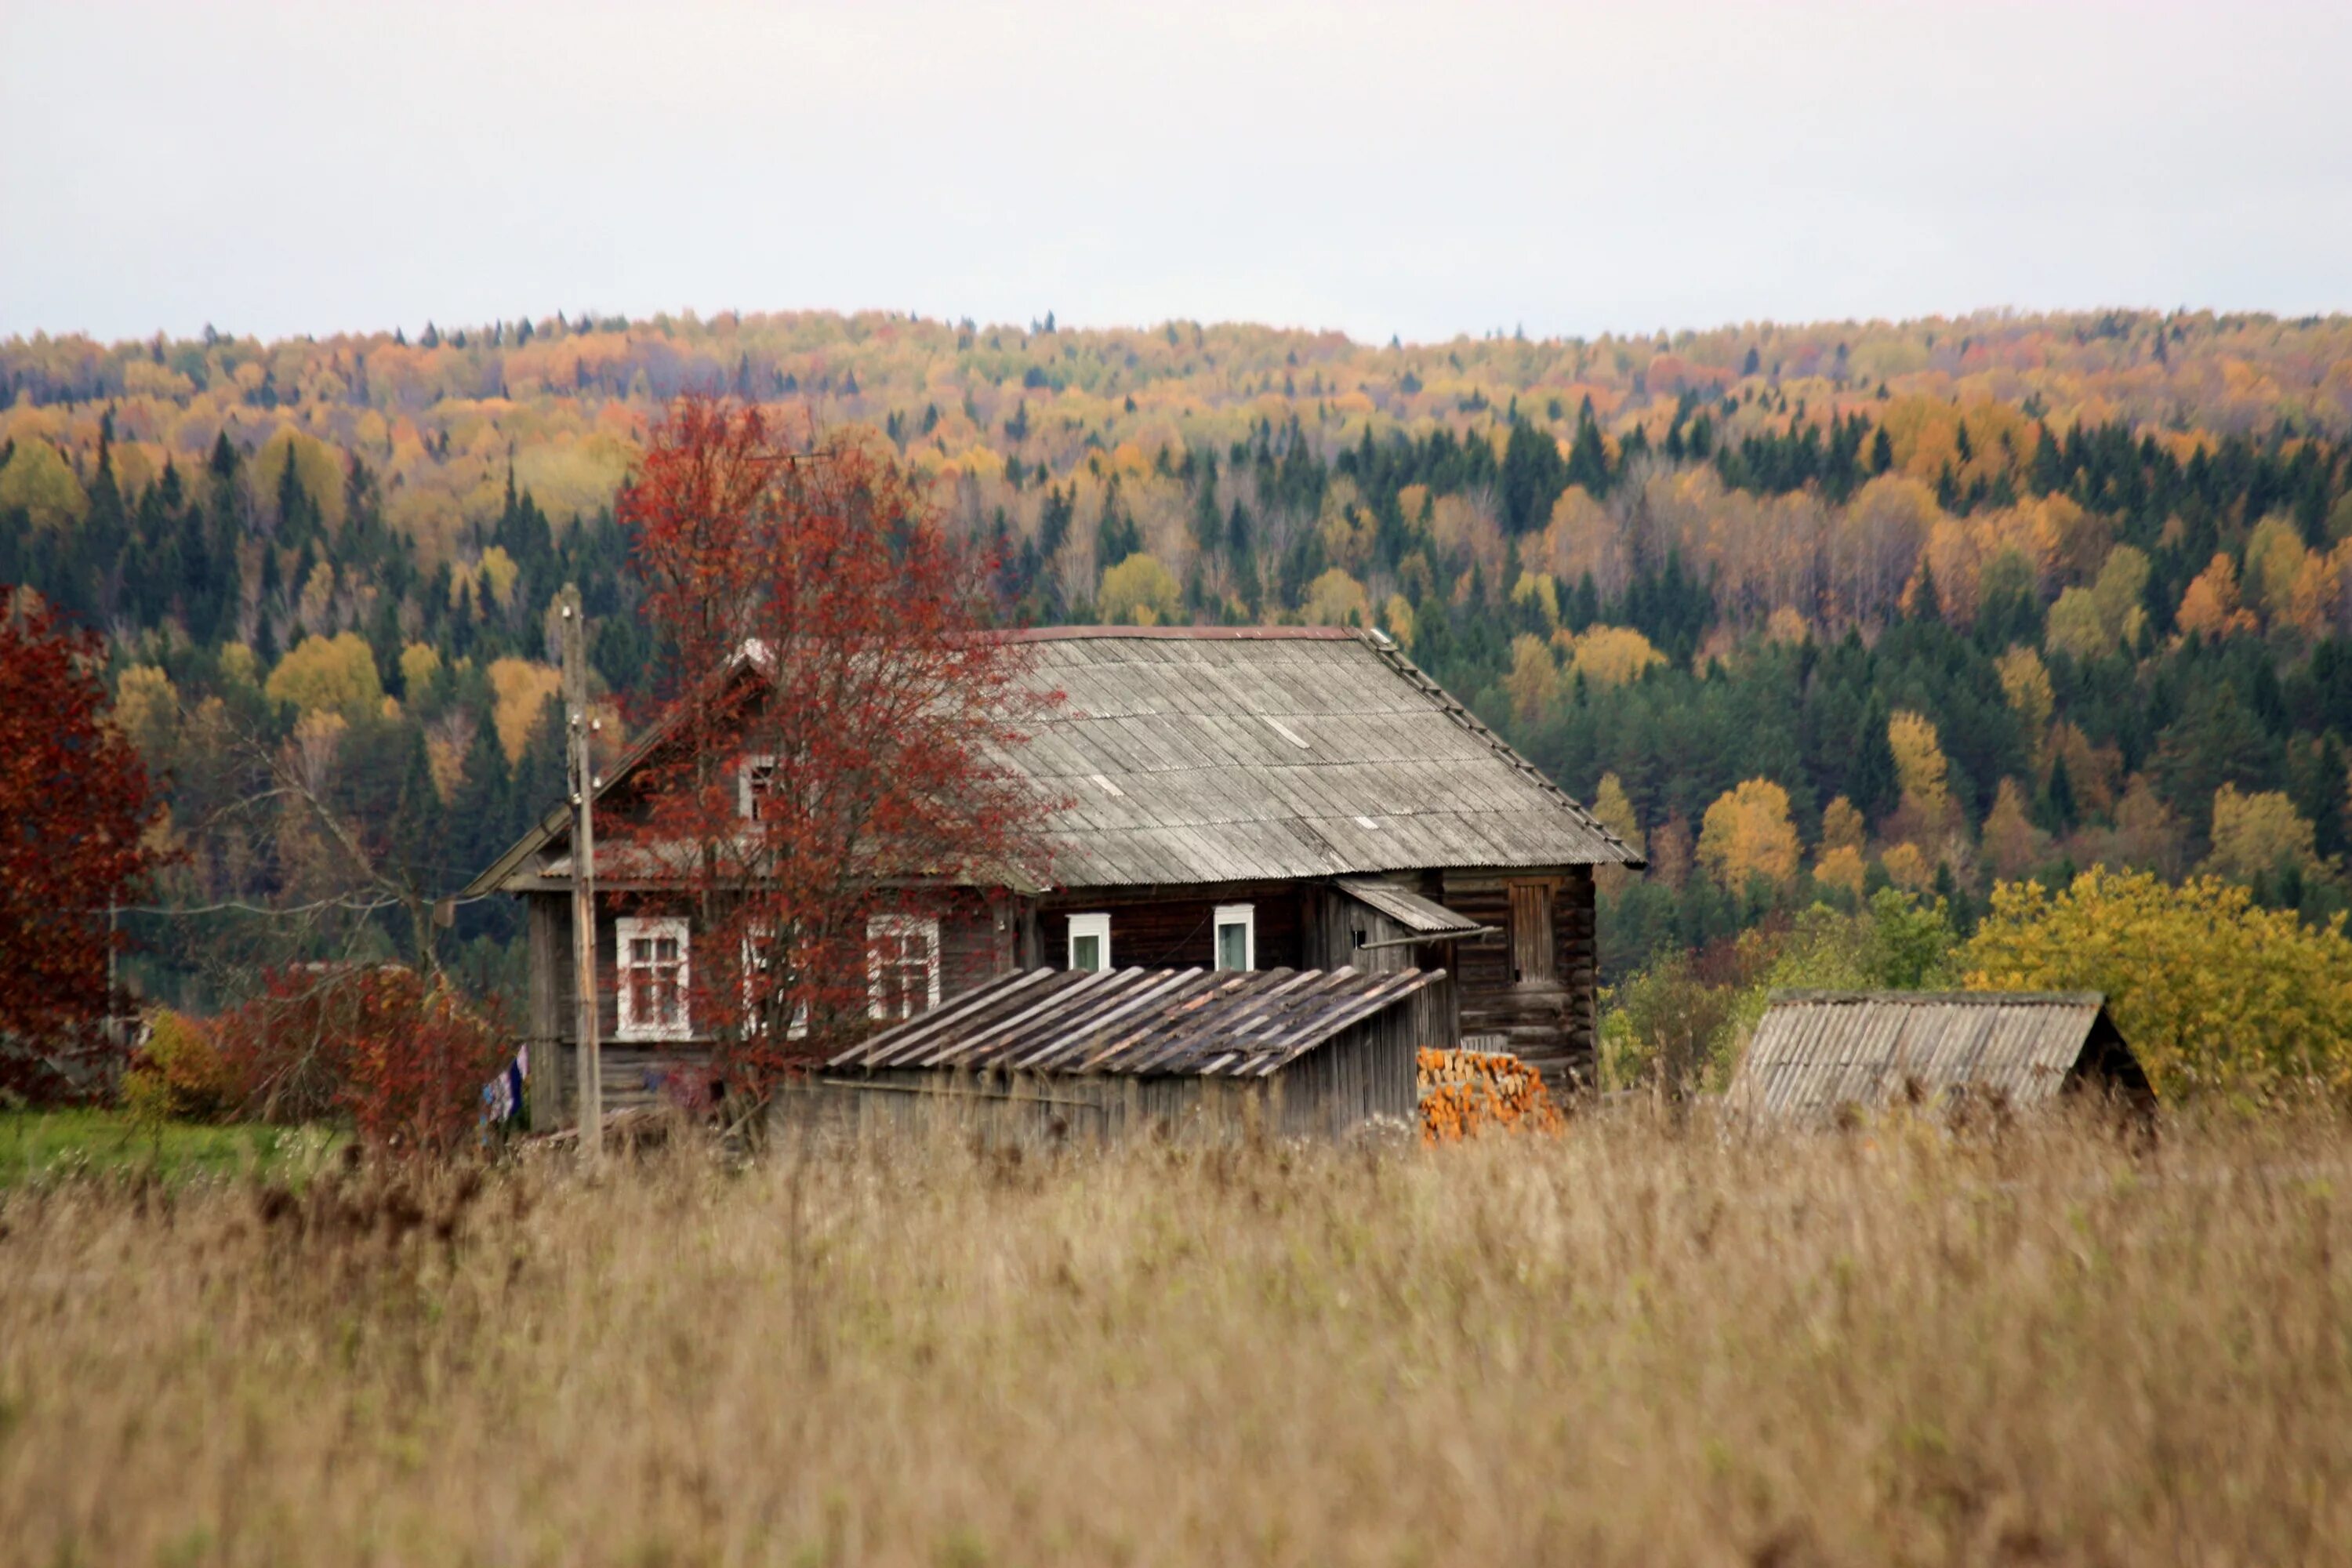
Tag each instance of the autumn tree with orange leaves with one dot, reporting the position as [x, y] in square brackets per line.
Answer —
[75, 807]
[838, 717]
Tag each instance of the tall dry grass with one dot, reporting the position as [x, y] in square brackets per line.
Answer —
[1614, 1346]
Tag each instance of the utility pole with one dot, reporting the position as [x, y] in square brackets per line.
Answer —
[580, 755]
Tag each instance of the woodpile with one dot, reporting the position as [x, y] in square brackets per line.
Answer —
[1463, 1093]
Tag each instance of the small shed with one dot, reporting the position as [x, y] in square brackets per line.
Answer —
[1818, 1056]
[1104, 1052]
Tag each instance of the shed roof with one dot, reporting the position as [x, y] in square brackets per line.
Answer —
[1423, 917]
[1201, 1023]
[1815, 1052]
[1286, 752]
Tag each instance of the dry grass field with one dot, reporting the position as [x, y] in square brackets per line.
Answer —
[1612, 1346]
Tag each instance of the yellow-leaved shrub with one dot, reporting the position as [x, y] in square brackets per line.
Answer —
[2215, 993]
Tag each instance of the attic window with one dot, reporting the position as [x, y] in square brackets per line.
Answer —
[755, 781]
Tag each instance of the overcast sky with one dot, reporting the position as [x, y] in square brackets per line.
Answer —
[1422, 171]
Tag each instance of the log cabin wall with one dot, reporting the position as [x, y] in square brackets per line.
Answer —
[977, 936]
[1548, 1020]
[1545, 1019]
[1175, 929]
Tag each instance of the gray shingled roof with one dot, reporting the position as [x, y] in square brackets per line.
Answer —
[1817, 1052]
[1207, 1023]
[1226, 756]
[1253, 754]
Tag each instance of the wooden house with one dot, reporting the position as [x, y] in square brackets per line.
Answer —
[1819, 1057]
[1226, 798]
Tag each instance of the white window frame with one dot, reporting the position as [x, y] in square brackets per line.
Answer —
[652, 928]
[1244, 916]
[755, 763]
[924, 926]
[1095, 925]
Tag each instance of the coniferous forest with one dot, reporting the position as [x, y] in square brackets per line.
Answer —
[1809, 611]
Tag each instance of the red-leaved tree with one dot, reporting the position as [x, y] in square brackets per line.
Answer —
[76, 805]
[396, 1053]
[842, 720]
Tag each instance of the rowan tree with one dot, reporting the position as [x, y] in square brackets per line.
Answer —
[839, 717]
[76, 805]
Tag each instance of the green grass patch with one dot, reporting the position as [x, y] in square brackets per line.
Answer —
[45, 1145]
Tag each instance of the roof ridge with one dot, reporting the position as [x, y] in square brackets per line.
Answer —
[1891, 996]
[1180, 634]
[1386, 648]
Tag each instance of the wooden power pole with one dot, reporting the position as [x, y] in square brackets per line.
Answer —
[580, 755]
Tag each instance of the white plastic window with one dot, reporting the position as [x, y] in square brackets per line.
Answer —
[1091, 942]
[655, 972]
[1236, 926]
[902, 966]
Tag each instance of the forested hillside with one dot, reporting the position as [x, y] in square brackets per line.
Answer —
[1808, 609]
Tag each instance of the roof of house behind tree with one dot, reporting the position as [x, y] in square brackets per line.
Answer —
[1817, 1052]
[1246, 753]
[1206, 1022]
[1254, 754]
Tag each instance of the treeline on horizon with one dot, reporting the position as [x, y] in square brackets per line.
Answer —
[1807, 610]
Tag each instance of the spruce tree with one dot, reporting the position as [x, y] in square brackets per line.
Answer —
[1208, 522]
[1872, 781]
[1116, 536]
[2058, 810]
[483, 818]
[1927, 604]
[1588, 459]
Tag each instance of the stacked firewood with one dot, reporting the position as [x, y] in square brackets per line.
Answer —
[1467, 1092]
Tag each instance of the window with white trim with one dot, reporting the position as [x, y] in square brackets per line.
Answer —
[1236, 929]
[652, 960]
[1091, 942]
[902, 966]
[755, 780]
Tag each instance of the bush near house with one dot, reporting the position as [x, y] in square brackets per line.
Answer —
[2217, 995]
[399, 1055]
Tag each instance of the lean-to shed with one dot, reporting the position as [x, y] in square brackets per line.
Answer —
[1101, 1052]
[1818, 1056]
